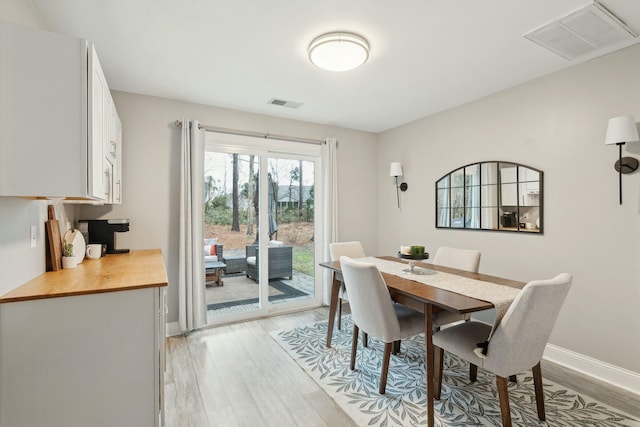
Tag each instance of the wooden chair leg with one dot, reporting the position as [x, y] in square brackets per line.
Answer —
[537, 383]
[354, 346]
[513, 378]
[365, 339]
[503, 393]
[438, 365]
[339, 314]
[385, 367]
[473, 372]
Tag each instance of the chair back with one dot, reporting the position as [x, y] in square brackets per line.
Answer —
[462, 259]
[350, 249]
[519, 340]
[369, 299]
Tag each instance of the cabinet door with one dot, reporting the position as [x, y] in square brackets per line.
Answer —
[99, 130]
[508, 187]
[116, 144]
[87, 360]
[43, 113]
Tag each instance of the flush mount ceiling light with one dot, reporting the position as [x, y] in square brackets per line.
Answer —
[338, 51]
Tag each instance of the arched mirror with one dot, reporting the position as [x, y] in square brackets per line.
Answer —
[496, 196]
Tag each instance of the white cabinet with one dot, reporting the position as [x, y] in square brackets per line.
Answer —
[113, 157]
[508, 187]
[54, 116]
[86, 360]
[528, 191]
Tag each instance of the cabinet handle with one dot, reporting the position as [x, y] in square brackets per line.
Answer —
[119, 190]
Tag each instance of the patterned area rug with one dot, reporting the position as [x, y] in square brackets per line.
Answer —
[462, 404]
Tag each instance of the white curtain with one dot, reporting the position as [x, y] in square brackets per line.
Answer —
[330, 229]
[192, 312]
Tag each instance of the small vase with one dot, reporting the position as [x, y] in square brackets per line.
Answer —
[69, 262]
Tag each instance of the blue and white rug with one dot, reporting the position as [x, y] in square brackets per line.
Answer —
[404, 404]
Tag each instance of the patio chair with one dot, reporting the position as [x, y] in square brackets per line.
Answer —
[280, 262]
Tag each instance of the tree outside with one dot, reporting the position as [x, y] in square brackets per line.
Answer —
[231, 204]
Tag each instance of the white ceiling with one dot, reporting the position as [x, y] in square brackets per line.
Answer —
[426, 55]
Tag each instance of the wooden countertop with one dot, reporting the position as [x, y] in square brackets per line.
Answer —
[112, 273]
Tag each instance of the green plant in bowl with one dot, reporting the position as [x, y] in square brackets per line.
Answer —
[67, 250]
[417, 250]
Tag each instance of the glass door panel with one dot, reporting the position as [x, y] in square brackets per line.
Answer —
[259, 232]
[230, 233]
[291, 246]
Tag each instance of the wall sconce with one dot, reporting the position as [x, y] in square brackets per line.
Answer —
[620, 130]
[395, 171]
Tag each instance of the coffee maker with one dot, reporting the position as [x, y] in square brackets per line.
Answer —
[508, 219]
[104, 231]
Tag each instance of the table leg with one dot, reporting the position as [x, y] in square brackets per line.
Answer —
[333, 305]
[219, 277]
[429, 360]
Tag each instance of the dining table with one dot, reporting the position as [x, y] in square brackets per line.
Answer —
[423, 297]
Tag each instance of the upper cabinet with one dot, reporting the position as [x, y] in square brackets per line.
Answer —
[56, 116]
[500, 196]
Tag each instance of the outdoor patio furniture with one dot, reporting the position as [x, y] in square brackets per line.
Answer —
[213, 264]
[213, 272]
[280, 262]
[235, 263]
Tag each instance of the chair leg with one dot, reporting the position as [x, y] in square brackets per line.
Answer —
[473, 372]
[365, 339]
[503, 393]
[385, 367]
[438, 365]
[354, 346]
[537, 383]
[339, 314]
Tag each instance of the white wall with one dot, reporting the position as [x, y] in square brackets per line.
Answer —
[557, 124]
[18, 262]
[151, 173]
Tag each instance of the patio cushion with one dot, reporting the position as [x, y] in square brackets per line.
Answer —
[210, 258]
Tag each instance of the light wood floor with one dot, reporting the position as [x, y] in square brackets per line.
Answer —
[237, 375]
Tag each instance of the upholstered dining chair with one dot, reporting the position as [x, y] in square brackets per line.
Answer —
[462, 259]
[517, 343]
[352, 249]
[373, 311]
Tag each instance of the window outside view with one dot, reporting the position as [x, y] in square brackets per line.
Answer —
[231, 231]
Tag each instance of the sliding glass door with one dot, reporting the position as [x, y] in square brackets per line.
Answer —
[260, 227]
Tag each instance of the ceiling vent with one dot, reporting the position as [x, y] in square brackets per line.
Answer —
[582, 32]
[284, 103]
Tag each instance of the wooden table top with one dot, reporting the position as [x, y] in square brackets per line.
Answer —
[444, 299]
[117, 272]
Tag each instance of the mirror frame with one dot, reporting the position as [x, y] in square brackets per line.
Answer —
[526, 205]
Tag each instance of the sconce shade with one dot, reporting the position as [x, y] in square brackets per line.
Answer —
[395, 169]
[621, 129]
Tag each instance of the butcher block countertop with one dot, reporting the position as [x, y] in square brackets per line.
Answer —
[118, 272]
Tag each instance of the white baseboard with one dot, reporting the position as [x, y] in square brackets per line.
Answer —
[614, 375]
[173, 329]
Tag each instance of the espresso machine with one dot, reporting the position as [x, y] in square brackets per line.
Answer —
[104, 231]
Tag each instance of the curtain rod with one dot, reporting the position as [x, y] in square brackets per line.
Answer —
[255, 134]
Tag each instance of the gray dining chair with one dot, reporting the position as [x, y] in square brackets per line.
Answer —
[461, 259]
[373, 311]
[351, 249]
[517, 344]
